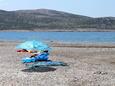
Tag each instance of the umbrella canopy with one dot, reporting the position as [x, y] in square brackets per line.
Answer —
[33, 45]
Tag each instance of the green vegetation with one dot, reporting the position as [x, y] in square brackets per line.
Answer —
[44, 19]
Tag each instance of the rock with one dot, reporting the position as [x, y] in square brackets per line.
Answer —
[100, 73]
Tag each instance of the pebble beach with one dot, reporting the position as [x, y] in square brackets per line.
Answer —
[92, 65]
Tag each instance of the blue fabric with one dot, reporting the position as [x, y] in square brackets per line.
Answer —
[41, 57]
[46, 63]
[28, 60]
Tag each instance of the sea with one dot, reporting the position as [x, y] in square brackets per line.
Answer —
[73, 37]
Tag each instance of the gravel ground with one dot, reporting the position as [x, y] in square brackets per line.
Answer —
[86, 67]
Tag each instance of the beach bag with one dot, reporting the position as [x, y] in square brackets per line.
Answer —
[42, 57]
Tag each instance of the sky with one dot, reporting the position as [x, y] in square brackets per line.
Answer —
[92, 8]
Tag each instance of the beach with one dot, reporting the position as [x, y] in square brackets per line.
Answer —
[88, 65]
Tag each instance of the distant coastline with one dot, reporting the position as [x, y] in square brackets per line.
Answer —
[52, 20]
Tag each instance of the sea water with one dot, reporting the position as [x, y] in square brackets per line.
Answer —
[90, 37]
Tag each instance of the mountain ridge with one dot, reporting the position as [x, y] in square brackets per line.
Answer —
[46, 19]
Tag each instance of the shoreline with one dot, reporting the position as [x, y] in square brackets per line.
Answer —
[68, 44]
[57, 30]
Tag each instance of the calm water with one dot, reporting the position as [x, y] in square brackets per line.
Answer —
[108, 37]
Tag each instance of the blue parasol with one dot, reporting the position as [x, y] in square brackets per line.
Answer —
[33, 45]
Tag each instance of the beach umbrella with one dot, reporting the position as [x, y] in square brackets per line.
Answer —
[33, 45]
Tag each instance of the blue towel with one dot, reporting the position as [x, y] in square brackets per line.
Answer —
[45, 64]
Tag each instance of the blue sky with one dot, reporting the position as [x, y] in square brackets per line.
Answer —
[92, 8]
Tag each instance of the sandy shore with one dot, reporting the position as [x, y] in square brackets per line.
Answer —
[88, 66]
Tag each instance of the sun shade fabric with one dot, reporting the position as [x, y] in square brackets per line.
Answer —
[33, 45]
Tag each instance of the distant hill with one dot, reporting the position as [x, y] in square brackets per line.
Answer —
[45, 20]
